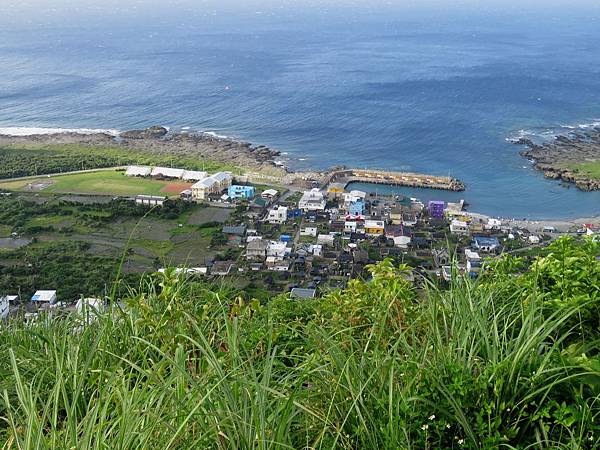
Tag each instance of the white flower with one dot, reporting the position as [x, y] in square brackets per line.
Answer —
[447, 426]
[431, 417]
[461, 441]
[424, 427]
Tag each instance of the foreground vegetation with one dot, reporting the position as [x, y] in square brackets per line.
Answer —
[20, 160]
[509, 361]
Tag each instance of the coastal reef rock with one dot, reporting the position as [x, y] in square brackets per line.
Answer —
[155, 132]
[158, 141]
[557, 158]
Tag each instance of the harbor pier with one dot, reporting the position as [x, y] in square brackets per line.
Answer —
[408, 179]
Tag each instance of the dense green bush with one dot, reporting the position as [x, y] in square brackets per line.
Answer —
[498, 363]
[30, 159]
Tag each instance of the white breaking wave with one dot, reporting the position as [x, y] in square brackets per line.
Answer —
[213, 134]
[30, 131]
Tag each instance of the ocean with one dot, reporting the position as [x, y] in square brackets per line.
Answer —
[423, 90]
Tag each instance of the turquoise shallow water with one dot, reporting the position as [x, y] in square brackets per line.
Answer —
[430, 92]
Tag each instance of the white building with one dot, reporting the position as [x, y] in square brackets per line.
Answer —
[214, 184]
[401, 241]
[277, 215]
[44, 297]
[90, 308]
[493, 224]
[309, 231]
[193, 175]
[150, 200]
[167, 172]
[4, 307]
[277, 249]
[269, 194]
[353, 196]
[459, 227]
[325, 239]
[312, 200]
[277, 264]
[316, 250]
[138, 171]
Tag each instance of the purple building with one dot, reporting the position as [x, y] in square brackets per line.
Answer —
[436, 208]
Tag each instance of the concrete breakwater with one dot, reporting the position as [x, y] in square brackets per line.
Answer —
[408, 179]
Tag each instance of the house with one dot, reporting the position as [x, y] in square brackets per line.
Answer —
[221, 268]
[409, 218]
[493, 224]
[235, 234]
[150, 200]
[374, 227]
[353, 196]
[186, 195]
[337, 226]
[277, 215]
[256, 249]
[269, 194]
[361, 257]
[441, 256]
[533, 239]
[309, 231]
[486, 244]
[44, 297]
[138, 171]
[303, 293]
[473, 261]
[459, 227]
[277, 249]
[312, 200]
[316, 250]
[237, 191]
[356, 208]
[4, 307]
[400, 234]
[167, 172]
[277, 265]
[326, 239]
[335, 190]
[90, 308]
[350, 226]
[446, 273]
[436, 208]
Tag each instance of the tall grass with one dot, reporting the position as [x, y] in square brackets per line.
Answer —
[378, 365]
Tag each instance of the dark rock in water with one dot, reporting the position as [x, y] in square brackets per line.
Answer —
[555, 158]
[524, 141]
[155, 132]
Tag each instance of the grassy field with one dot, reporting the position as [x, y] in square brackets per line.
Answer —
[101, 182]
[590, 169]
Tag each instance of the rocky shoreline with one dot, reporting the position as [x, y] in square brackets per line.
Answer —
[159, 140]
[555, 158]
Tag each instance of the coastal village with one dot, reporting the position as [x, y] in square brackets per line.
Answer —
[318, 234]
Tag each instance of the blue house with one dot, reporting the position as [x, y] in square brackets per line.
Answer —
[237, 191]
[356, 208]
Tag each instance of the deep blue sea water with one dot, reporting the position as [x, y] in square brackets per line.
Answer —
[430, 91]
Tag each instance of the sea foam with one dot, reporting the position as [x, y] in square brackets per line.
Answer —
[30, 131]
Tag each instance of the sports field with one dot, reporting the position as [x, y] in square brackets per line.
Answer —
[102, 182]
